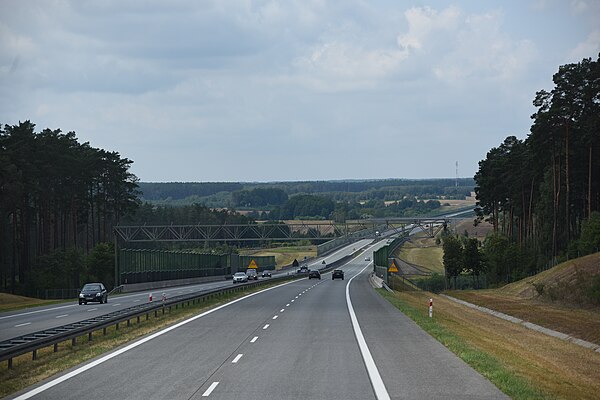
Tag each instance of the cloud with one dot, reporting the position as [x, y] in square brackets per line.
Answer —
[341, 65]
[590, 47]
[426, 22]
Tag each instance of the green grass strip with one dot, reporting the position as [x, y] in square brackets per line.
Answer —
[516, 387]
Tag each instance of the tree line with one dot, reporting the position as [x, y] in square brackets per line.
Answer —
[56, 195]
[269, 194]
[541, 191]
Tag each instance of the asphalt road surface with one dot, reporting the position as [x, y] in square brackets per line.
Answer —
[294, 341]
[23, 322]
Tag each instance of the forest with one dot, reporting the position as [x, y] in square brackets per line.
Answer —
[542, 192]
[59, 200]
[253, 195]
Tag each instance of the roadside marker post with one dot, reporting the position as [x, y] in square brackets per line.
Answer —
[430, 308]
[150, 298]
[164, 297]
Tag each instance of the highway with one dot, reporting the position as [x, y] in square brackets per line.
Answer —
[305, 339]
[23, 322]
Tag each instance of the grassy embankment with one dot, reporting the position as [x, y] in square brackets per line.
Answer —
[525, 364]
[9, 302]
[27, 372]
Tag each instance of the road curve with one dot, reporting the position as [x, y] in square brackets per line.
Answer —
[293, 341]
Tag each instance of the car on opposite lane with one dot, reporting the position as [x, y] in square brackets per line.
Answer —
[314, 273]
[240, 277]
[251, 274]
[337, 273]
[266, 274]
[93, 292]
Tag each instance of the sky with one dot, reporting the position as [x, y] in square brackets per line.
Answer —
[259, 91]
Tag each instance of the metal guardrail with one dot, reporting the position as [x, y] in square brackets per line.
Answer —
[33, 342]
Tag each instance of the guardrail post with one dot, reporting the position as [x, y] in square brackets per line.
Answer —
[10, 363]
[128, 322]
[73, 341]
[34, 355]
[104, 331]
[89, 336]
[147, 316]
[138, 319]
[56, 347]
[117, 326]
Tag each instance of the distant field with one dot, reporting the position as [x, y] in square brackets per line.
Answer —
[480, 231]
[285, 255]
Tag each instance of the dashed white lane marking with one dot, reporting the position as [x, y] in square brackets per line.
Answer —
[237, 358]
[24, 324]
[254, 339]
[116, 305]
[92, 309]
[275, 317]
[378, 386]
[135, 301]
[292, 300]
[210, 389]
[295, 297]
[133, 345]
[282, 310]
[266, 326]
[64, 315]
[287, 305]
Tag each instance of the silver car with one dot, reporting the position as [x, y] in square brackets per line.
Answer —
[240, 277]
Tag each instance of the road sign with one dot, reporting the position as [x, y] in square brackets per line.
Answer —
[253, 265]
[393, 267]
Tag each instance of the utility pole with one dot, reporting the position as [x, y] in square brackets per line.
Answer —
[456, 181]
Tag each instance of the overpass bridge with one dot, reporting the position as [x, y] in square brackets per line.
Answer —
[313, 230]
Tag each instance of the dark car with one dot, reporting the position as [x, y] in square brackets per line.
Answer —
[337, 273]
[314, 273]
[303, 270]
[93, 292]
[266, 274]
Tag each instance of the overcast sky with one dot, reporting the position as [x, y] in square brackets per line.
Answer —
[288, 90]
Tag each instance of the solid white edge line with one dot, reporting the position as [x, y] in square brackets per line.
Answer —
[133, 345]
[210, 389]
[378, 386]
[237, 358]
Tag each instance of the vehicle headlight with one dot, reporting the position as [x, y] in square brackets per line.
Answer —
[98, 294]
[80, 294]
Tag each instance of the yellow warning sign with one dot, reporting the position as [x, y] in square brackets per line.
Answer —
[393, 267]
[253, 265]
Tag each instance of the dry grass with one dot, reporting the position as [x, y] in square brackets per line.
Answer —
[422, 250]
[522, 300]
[557, 368]
[13, 302]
